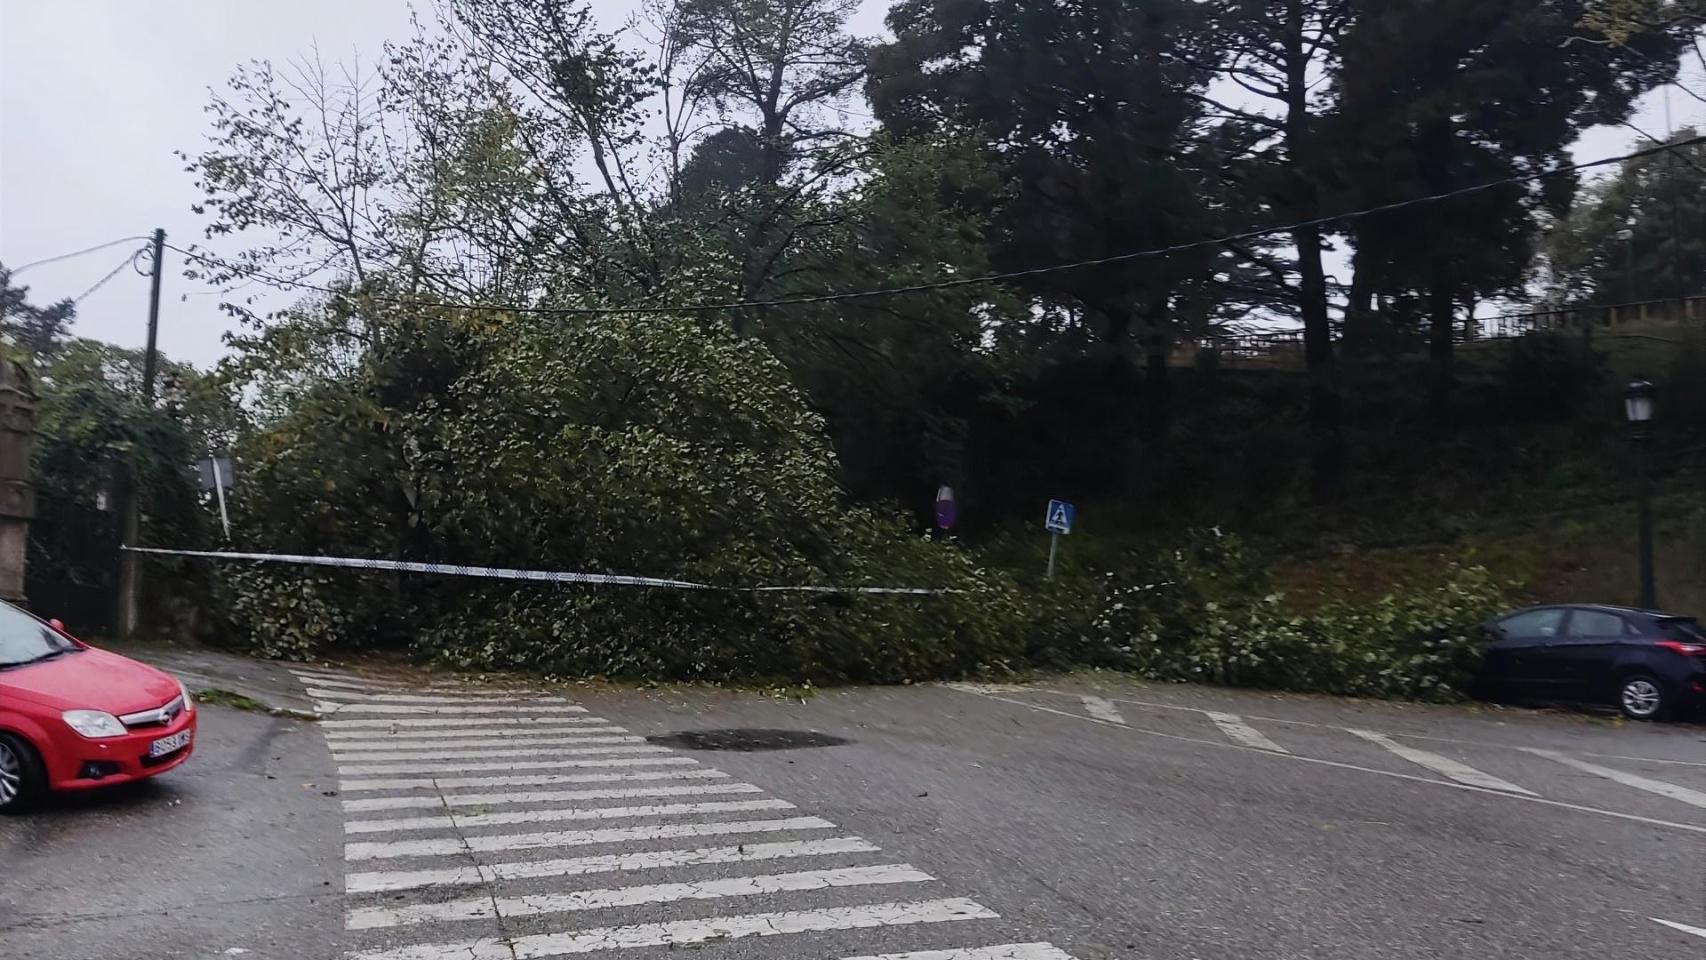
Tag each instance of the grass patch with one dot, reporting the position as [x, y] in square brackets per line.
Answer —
[236, 701]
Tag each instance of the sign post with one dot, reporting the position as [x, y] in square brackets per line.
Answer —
[947, 509]
[216, 475]
[1057, 521]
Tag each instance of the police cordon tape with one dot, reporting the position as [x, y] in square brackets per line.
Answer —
[505, 573]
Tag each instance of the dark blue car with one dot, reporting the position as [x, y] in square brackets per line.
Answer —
[1651, 665]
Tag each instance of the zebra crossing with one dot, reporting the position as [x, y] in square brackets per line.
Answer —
[497, 825]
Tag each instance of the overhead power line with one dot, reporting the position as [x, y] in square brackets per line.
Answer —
[981, 279]
[98, 284]
[75, 253]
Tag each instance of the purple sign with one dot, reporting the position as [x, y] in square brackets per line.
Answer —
[947, 511]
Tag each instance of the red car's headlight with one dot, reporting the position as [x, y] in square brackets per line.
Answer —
[94, 724]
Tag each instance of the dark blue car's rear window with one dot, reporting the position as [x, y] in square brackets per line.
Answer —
[1682, 629]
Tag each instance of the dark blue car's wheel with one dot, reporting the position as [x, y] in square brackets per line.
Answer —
[21, 777]
[1642, 697]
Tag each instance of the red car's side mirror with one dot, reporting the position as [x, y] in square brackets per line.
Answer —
[58, 624]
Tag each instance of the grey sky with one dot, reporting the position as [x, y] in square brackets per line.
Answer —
[96, 94]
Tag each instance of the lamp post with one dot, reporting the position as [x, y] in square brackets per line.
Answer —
[1638, 407]
[1627, 237]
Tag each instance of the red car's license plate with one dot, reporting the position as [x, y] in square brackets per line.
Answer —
[165, 745]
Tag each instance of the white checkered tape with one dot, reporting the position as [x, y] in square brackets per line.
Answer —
[506, 573]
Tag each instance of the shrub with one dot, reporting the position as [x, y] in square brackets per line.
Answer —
[1549, 377]
[644, 446]
[1203, 613]
[285, 614]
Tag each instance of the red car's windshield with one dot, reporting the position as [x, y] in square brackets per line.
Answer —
[24, 639]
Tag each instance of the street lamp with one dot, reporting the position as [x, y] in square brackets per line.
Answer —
[1626, 236]
[1638, 407]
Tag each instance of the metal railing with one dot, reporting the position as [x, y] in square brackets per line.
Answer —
[1285, 347]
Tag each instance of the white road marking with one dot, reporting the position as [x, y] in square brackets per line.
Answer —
[519, 738]
[471, 821]
[542, 796]
[456, 846]
[678, 932]
[1238, 731]
[346, 685]
[1009, 951]
[350, 696]
[405, 708]
[351, 686]
[1445, 766]
[965, 688]
[1663, 789]
[398, 783]
[338, 728]
[1338, 765]
[343, 679]
[1685, 928]
[1102, 709]
[386, 881]
[342, 739]
[386, 769]
[532, 779]
[589, 746]
[476, 908]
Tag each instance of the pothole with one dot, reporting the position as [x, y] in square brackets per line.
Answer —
[747, 741]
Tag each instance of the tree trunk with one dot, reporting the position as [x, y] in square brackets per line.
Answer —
[1359, 309]
[1117, 369]
[1324, 403]
[1157, 378]
[1328, 457]
[1442, 343]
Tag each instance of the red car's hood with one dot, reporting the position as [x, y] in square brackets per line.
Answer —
[91, 680]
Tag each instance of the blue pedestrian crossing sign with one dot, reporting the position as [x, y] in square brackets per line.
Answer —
[1060, 516]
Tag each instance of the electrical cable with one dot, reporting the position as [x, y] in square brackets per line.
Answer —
[126, 262]
[963, 281]
[75, 253]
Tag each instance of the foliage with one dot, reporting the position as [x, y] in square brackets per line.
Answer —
[642, 446]
[499, 206]
[1204, 613]
[291, 616]
[898, 380]
[92, 428]
[1550, 377]
[1088, 114]
[231, 699]
[228, 698]
[37, 331]
[1424, 110]
[1634, 236]
[1617, 21]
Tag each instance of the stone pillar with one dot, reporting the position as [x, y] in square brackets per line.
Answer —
[17, 495]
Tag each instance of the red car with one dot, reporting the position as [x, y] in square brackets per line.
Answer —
[74, 717]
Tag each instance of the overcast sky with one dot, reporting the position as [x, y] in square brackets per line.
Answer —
[96, 94]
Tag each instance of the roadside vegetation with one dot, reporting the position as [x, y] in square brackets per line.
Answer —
[226, 698]
[506, 243]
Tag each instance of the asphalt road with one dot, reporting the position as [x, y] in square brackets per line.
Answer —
[1087, 820]
[234, 854]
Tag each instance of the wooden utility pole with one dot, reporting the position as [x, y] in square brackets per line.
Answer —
[17, 495]
[130, 572]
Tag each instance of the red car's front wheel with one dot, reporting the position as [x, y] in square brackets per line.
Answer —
[22, 779]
